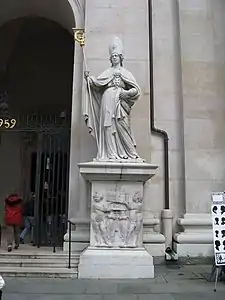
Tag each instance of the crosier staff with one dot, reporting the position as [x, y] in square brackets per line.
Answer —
[79, 37]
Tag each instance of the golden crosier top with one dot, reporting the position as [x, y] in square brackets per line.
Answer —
[79, 36]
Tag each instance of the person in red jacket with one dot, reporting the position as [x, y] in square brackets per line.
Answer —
[13, 219]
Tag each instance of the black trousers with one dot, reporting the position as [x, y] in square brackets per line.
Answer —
[0, 295]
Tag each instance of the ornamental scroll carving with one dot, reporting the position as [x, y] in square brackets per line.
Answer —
[117, 219]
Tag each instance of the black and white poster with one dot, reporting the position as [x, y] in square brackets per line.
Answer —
[218, 225]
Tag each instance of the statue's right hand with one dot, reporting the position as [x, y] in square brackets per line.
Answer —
[86, 74]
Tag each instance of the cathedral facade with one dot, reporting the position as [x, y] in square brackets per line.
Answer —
[176, 51]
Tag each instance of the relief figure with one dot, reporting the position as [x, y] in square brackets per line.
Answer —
[98, 219]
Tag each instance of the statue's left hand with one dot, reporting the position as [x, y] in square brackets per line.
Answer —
[124, 95]
[86, 74]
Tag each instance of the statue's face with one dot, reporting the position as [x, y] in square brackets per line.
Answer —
[115, 58]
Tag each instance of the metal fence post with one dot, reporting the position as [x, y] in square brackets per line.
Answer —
[69, 266]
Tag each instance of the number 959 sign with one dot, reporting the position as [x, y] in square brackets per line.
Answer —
[7, 123]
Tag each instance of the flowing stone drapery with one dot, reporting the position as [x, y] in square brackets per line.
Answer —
[107, 107]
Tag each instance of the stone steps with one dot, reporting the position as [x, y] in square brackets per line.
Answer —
[34, 264]
[37, 262]
[37, 272]
[33, 255]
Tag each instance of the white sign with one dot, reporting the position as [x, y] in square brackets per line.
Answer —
[2, 283]
[218, 224]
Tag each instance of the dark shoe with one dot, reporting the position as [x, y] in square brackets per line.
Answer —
[21, 241]
[16, 246]
[9, 248]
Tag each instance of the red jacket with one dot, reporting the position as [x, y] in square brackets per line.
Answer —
[13, 210]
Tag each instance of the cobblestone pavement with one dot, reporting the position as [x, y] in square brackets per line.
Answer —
[187, 282]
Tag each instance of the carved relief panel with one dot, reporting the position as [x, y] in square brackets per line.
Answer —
[116, 217]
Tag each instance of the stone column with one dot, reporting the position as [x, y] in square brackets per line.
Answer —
[168, 116]
[202, 55]
[77, 211]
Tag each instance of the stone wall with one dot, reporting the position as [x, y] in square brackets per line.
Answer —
[168, 105]
[188, 50]
[202, 57]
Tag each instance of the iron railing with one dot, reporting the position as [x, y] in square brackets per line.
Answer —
[70, 223]
[70, 231]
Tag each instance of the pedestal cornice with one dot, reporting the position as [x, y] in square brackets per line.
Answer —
[129, 171]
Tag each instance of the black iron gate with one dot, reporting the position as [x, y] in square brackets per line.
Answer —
[46, 144]
[51, 162]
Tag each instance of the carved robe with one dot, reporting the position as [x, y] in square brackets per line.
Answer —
[108, 117]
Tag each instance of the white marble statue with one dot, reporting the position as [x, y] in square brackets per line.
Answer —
[107, 108]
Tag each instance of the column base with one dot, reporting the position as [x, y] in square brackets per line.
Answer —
[193, 250]
[154, 242]
[80, 238]
[197, 238]
[77, 247]
[118, 263]
[155, 250]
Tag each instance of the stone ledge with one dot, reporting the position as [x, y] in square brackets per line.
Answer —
[156, 249]
[194, 250]
[191, 221]
[197, 229]
[193, 237]
[138, 172]
[38, 272]
[197, 236]
[153, 238]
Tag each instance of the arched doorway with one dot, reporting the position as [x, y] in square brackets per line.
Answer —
[35, 115]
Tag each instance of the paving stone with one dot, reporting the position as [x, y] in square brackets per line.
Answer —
[120, 297]
[101, 287]
[178, 288]
[199, 296]
[181, 276]
[51, 297]
[83, 297]
[156, 297]
[13, 297]
[134, 288]
[159, 279]
[46, 286]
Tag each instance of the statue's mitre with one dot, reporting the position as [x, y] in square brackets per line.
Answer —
[116, 46]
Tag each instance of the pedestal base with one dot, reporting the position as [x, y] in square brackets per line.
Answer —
[115, 263]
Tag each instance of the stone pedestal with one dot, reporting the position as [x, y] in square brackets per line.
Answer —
[116, 242]
[116, 263]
